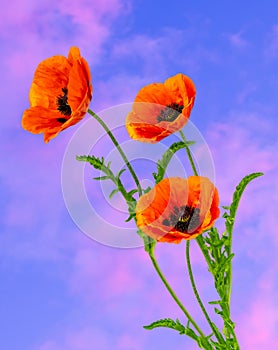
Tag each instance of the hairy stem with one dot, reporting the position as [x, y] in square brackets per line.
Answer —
[214, 329]
[172, 293]
[109, 133]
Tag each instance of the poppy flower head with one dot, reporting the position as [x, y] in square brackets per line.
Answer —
[161, 109]
[178, 208]
[59, 96]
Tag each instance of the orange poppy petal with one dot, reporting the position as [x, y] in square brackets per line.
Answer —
[152, 133]
[49, 79]
[146, 133]
[182, 86]
[39, 120]
[60, 94]
[79, 86]
[167, 106]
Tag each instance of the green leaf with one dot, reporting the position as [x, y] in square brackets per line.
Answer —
[96, 162]
[165, 322]
[215, 302]
[120, 173]
[176, 325]
[131, 216]
[116, 190]
[238, 193]
[132, 192]
[146, 190]
[131, 202]
[101, 178]
[166, 157]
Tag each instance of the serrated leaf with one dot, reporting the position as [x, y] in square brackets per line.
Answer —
[239, 191]
[101, 178]
[146, 190]
[131, 216]
[98, 163]
[217, 311]
[165, 322]
[214, 302]
[120, 173]
[116, 190]
[166, 157]
[169, 323]
[131, 193]
[94, 161]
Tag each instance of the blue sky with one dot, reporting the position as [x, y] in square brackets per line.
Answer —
[61, 289]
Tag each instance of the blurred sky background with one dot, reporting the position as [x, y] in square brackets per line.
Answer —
[62, 290]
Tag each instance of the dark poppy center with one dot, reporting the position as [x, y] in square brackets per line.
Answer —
[184, 219]
[170, 113]
[63, 106]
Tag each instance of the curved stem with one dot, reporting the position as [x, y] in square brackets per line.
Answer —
[214, 329]
[202, 247]
[189, 153]
[170, 290]
[109, 133]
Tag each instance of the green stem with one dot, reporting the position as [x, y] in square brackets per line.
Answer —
[212, 326]
[202, 247]
[201, 244]
[109, 133]
[170, 290]
[189, 153]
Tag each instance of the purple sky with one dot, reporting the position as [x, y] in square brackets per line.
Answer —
[60, 289]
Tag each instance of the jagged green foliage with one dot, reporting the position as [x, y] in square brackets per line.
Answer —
[149, 243]
[203, 342]
[176, 325]
[99, 164]
[217, 250]
[166, 158]
[232, 209]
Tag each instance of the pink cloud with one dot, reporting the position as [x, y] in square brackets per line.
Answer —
[103, 270]
[271, 51]
[237, 40]
[81, 339]
[52, 27]
[260, 319]
[127, 342]
[150, 51]
[240, 152]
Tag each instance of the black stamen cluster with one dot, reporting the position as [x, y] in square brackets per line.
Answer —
[170, 113]
[63, 106]
[184, 219]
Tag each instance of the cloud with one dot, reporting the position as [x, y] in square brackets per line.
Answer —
[52, 27]
[80, 339]
[237, 40]
[260, 318]
[271, 51]
[244, 148]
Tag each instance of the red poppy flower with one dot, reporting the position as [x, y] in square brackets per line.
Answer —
[161, 109]
[59, 96]
[177, 209]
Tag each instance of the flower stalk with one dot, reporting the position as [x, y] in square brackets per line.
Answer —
[175, 209]
[118, 147]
